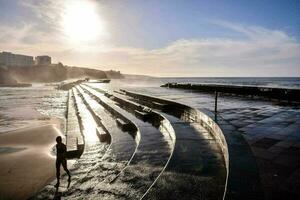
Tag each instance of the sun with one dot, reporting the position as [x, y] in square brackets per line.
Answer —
[81, 22]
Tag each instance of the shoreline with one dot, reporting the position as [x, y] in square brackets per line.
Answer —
[25, 172]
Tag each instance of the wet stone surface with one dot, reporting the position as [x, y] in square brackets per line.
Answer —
[196, 161]
[272, 131]
[150, 157]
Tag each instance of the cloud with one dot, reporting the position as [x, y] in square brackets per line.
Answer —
[261, 52]
[264, 52]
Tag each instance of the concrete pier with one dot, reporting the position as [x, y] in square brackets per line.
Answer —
[74, 137]
[281, 94]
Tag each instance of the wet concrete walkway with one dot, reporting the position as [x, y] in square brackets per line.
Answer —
[122, 145]
[196, 164]
[147, 162]
[270, 129]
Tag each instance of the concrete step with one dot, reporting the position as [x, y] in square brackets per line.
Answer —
[153, 151]
[125, 126]
[123, 144]
[157, 105]
[71, 143]
[80, 142]
[74, 139]
[111, 106]
[196, 158]
[103, 136]
[89, 124]
[142, 115]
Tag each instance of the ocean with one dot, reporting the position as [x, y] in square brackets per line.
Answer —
[278, 82]
[27, 106]
[22, 107]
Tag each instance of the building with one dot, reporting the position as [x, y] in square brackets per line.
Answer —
[10, 59]
[43, 60]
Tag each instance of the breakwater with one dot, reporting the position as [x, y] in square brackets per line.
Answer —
[281, 94]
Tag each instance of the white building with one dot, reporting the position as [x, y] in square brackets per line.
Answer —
[43, 60]
[10, 59]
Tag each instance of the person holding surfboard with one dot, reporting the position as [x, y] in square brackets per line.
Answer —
[61, 151]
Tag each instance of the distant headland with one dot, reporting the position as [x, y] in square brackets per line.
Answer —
[21, 70]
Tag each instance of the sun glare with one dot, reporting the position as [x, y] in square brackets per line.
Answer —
[81, 21]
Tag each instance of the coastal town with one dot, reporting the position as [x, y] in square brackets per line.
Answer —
[22, 70]
[11, 59]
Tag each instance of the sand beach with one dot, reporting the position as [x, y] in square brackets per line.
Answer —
[26, 163]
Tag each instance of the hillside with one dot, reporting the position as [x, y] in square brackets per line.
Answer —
[53, 73]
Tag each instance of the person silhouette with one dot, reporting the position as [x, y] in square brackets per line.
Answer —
[61, 151]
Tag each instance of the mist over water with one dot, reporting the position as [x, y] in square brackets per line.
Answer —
[22, 107]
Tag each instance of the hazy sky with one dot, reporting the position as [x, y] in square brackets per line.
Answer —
[159, 37]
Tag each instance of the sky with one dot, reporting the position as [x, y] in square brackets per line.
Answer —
[214, 38]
